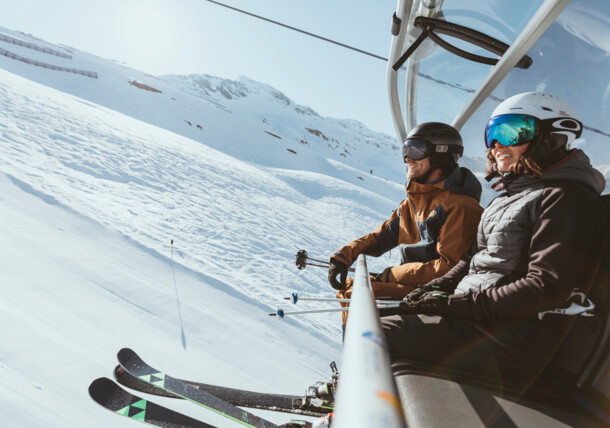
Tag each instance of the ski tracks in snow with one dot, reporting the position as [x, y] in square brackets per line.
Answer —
[229, 220]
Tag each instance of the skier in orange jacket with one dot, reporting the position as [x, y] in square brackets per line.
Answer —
[434, 226]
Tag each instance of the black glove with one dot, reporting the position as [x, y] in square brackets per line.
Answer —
[335, 269]
[430, 303]
[434, 285]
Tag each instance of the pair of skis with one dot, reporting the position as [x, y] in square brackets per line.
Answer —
[133, 372]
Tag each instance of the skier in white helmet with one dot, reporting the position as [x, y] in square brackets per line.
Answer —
[536, 241]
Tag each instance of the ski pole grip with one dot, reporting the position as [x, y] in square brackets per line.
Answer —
[301, 261]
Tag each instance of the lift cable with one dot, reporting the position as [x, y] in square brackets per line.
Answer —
[424, 76]
[300, 31]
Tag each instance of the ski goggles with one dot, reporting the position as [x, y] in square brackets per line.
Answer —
[511, 130]
[518, 129]
[415, 149]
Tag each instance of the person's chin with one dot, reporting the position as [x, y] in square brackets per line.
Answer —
[503, 167]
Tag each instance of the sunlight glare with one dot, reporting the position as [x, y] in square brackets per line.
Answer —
[149, 29]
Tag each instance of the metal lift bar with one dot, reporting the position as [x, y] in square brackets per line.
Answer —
[399, 31]
[366, 394]
[542, 19]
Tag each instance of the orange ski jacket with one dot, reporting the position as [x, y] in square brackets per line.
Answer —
[433, 228]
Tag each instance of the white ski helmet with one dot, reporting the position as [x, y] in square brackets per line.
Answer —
[553, 116]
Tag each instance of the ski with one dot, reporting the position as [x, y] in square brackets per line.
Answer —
[300, 405]
[111, 396]
[132, 363]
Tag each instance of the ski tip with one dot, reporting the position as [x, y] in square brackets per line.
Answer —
[118, 372]
[126, 354]
[100, 385]
[97, 382]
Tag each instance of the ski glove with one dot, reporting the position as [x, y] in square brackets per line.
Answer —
[430, 303]
[435, 285]
[337, 268]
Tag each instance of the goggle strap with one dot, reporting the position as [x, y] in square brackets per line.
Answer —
[449, 148]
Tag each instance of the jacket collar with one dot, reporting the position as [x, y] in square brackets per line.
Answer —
[415, 187]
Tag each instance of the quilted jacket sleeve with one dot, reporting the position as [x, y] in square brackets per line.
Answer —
[564, 239]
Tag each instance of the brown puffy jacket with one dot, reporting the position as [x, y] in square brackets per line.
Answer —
[433, 227]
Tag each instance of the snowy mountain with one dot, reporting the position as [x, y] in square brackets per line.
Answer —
[164, 214]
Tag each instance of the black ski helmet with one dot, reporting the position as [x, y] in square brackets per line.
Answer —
[443, 142]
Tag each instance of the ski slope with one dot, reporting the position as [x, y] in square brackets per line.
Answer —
[89, 204]
[99, 176]
[75, 292]
[91, 200]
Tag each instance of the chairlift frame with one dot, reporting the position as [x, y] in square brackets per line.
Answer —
[427, 22]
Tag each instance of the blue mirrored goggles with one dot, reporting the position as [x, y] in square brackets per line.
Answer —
[415, 149]
[511, 130]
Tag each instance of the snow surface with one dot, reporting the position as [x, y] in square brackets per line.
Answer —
[92, 195]
[99, 176]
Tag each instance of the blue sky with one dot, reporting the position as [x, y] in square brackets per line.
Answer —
[199, 37]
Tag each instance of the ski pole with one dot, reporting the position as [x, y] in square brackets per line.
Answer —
[182, 335]
[302, 262]
[313, 264]
[294, 298]
[280, 313]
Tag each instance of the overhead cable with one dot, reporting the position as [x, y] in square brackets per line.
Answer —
[300, 31]
[424, 76]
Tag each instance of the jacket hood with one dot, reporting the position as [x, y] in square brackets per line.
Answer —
[576, 166]
[461, 180]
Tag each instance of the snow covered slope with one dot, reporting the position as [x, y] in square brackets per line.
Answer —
[98, 176]
[91, 199]
[74, 292]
